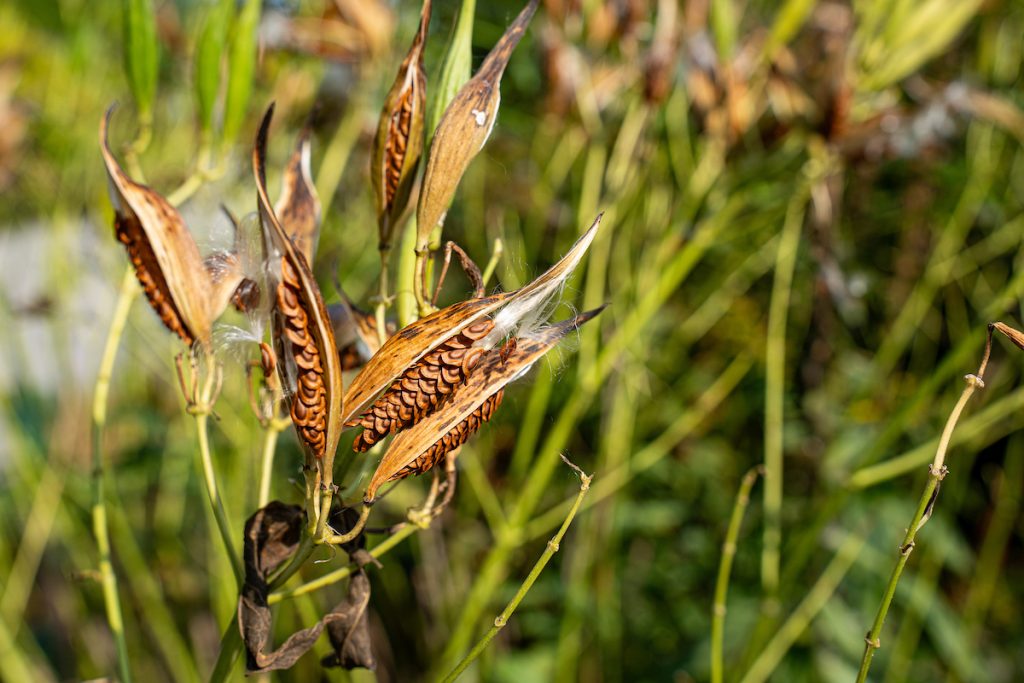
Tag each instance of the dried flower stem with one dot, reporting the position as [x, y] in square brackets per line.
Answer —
[524, 588]
[725, 568]
[108, 579]
[936, 473]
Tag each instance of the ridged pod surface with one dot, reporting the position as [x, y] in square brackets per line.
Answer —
[458, 435]
[422, 387]
[151, 279]
[309, 404]
[303, 337]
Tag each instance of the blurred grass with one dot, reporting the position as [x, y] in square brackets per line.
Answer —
[908, 249]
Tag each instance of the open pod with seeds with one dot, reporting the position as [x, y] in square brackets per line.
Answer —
[399, 140]
[187, 292]
[307, 359]
[479, 323]
[470, 404]
[463, 130]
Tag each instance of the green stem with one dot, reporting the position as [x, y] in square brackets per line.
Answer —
[213, 493]
[405, 300]
[273, 429]
[774, 395]
[382, 296]
[100, 526]
[724, 569]
[524, 588]
[936, 472]
[806, 611]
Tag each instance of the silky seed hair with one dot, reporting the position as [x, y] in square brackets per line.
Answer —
[423, 386]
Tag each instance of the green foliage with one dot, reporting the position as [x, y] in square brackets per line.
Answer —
[844, 336]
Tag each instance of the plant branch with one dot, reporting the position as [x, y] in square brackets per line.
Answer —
[725, 568]
[936, 473]
[524, 588]
[101, 530]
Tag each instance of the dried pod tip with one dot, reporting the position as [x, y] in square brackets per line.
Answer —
[162, 250]
[1014, 335]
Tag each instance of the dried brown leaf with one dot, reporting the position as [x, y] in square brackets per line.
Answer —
[298, 207]
[399, 140]
[162, 250]
[495, 370]
[464, 128]
[302, 332]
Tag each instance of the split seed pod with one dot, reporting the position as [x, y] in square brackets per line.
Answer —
[167, 262]
[298, 207]
[303, 337]
[423, 445]
[507, 310]
[463, 130]
[355, 332]
[399, 140]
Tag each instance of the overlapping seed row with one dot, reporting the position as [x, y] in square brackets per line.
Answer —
[398, 139]
[129, 232]
[455, 437]
[423, 386]
[309, 404]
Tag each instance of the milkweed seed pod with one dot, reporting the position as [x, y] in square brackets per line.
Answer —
[185, 292]
[399, 140]
[422, 386]
[423, 444]
[355, 332]
[298, 206]
[463, 130]
[303, 337]
[454, 439]
[507, 310]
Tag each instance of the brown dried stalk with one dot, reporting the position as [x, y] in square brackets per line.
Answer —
[423, 386]
[399, 140]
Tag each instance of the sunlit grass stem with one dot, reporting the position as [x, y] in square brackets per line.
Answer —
[100, 526]
[527, 584]
[936, 472]
[725, 569]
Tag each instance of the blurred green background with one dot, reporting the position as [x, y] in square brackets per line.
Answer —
[812, 211]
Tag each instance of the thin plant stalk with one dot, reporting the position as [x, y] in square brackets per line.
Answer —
[797, 622]
[936, 473]
[273, 429]
[531, 578]
[201, 411]
[100, 526]
[382, 296]
[774, 395]
[725, 569]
